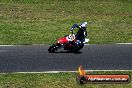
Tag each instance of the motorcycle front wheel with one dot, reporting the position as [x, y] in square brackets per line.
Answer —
[53, 48]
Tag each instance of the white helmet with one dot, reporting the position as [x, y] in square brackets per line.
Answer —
[84, 24]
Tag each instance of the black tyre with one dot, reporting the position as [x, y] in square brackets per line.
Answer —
[52, 48]
[77, 47]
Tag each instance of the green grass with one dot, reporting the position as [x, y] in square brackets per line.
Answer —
[53, 80]
[43, 21]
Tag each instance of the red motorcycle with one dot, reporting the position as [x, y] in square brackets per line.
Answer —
[69, 43]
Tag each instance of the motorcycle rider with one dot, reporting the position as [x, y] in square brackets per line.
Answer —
[81, 34]
[72, 43]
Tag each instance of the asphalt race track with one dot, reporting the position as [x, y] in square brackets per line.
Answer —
[35, 58]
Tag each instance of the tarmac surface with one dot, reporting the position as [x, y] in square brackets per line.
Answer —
[36, 58]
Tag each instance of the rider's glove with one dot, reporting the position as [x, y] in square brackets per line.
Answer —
[71, 29]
